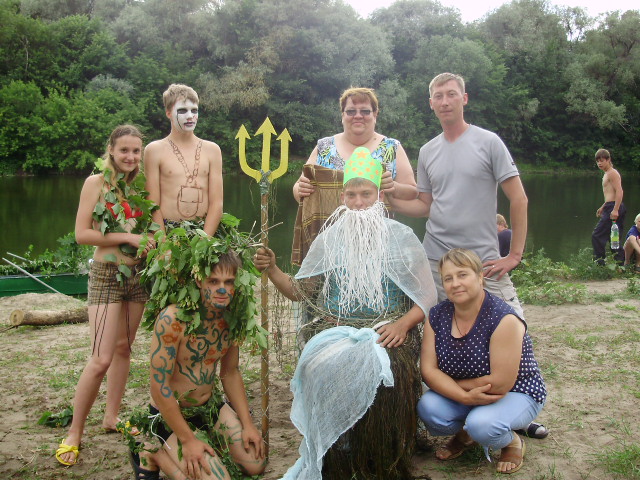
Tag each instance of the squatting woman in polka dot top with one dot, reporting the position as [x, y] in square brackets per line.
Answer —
[477, 360]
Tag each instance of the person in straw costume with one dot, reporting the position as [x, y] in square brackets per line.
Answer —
[368, 282]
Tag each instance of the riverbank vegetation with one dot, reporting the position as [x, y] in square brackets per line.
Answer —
[67, 257]
[555, 83]
[538, 279]
[541, 281]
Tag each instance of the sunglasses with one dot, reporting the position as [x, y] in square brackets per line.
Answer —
[353, 112]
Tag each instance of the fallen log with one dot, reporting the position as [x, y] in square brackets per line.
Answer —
[48, 317]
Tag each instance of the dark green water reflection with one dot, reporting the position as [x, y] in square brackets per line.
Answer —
[36, 211]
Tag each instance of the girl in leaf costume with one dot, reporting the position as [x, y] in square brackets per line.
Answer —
[113, 215]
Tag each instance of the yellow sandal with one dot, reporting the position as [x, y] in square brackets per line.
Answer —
[64, 448]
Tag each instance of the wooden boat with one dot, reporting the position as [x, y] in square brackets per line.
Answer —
[67, 283]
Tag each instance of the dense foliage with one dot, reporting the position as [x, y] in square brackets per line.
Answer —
[541, 281]
[187, 252]
[114, 214]
[68, 257]
[554, 83]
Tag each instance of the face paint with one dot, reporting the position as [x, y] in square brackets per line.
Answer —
[184, 115]
[217, 290]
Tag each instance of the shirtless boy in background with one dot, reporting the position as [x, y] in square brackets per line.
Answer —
[184, 172]
[612, 210]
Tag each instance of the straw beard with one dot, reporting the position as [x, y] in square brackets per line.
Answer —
[356, 257]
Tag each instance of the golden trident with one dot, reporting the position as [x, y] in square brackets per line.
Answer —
[264, 177]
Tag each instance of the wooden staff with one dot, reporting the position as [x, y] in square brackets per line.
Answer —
[264, 177]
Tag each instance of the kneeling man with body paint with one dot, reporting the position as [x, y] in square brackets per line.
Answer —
[184, 406]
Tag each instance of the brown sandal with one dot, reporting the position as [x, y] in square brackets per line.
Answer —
[455, 447]
[513, 455]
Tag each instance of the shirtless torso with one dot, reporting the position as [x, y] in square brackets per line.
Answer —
[93, 192]
[185, 366]
[184, 176]
[183, 371]
[611, 186]
[610, 180]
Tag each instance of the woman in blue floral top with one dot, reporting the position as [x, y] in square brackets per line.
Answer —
[359, 107]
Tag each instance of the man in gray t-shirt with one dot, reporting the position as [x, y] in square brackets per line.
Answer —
[458, 175]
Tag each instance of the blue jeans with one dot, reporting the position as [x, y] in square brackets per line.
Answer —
[489, 425]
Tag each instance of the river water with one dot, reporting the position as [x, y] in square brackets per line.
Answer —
[36, 211]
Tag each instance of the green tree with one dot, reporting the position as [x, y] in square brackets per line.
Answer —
[409, 23]
[18, 103]
[533, 42]
[54, 9]
[603, 79]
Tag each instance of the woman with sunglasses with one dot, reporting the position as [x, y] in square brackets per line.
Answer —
[320, 184]
[359, 108]
[477, 360]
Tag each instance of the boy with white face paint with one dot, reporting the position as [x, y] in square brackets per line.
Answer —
[184, 172]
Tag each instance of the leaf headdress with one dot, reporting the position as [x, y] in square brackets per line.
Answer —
[188, 253]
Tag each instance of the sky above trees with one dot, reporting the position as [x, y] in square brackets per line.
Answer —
[474, 9]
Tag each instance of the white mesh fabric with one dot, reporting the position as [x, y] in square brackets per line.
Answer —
[334, 385]
[406, 263]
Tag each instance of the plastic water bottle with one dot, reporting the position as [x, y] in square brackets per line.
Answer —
[615, 237]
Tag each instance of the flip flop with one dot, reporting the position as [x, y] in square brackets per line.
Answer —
[139, 472]
[64, 448]
[132, 429]
[534, 430]
[454, 446]
[513, 455]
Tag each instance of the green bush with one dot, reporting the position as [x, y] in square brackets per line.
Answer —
[69, 257]
[541, 281]
[583, 267]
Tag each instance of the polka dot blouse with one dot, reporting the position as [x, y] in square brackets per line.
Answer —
[468, 356]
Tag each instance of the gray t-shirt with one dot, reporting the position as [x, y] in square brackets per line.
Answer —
[463, 178]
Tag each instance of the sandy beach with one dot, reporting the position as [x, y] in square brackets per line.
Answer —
[589, 354]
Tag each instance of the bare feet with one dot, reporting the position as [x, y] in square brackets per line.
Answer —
[512, 456]
[455, 446]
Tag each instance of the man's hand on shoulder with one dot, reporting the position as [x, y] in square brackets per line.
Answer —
[392, 334]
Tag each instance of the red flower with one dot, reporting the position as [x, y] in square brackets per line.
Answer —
[128, 213]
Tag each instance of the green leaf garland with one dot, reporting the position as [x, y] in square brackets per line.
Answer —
[136, 196]
[187, 253]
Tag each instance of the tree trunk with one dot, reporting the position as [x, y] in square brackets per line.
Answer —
[48, 317]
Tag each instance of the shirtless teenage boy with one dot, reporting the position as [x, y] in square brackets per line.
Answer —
[183, 369]
[612, 210]
[184, 173]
